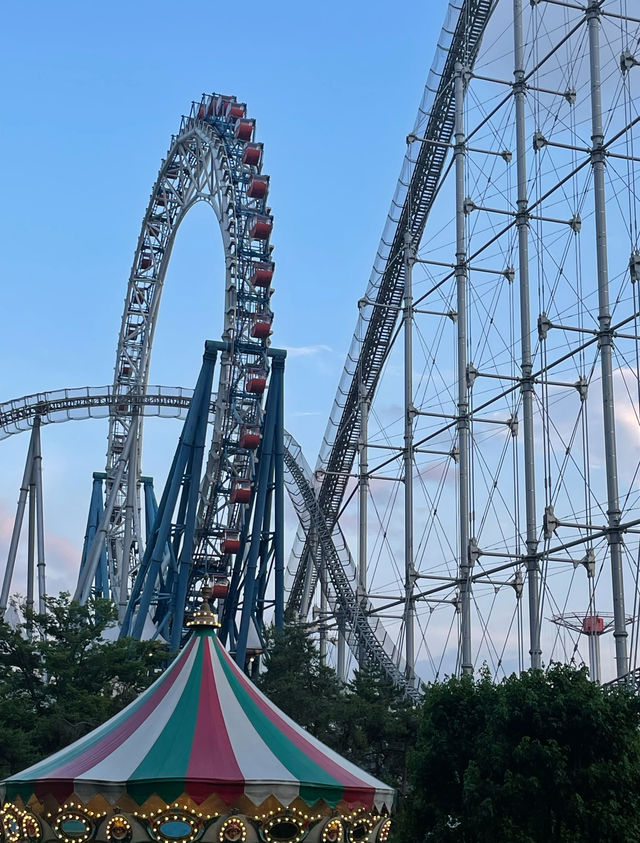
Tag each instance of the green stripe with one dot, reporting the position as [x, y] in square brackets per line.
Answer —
[76, 749]
[163, 770]
[315, 782]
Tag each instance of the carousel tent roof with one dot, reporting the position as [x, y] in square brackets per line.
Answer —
[201, 729]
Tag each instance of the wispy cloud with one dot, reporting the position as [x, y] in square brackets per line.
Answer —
[307, 350]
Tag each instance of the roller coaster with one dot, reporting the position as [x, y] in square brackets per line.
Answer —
[474, 438]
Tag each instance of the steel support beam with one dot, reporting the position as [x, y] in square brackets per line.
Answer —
[605, 339]
[526, 364]
[465, 567]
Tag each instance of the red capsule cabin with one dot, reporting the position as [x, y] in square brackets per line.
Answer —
[201, 111]
[222, 103]
[593, 625]
[261, 327]
[173, 172]
[126, 370]
[161, 200]
[256, 381]
[241, 491]
[145, 260]
[230, 542]
[258, 187]
[249, 437]
[262, 274]
[252, 154]
[235, 110]
[244, 129]
[220, 589]
[260, 226]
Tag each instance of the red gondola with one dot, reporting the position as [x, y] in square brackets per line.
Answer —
[262, 274]
[260, 226]
[235, 110]
[145, 260]
[258, 187]
[241, 491]
[249, 437]
[220, 588]
[230, 542]
[244, 129]
[252, 154]
[261, 327]
[256, 381]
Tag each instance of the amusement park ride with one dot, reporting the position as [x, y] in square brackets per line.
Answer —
[504, 299]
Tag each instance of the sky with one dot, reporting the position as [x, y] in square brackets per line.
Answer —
[90, 96]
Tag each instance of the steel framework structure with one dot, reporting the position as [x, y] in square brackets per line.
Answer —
[504, 451]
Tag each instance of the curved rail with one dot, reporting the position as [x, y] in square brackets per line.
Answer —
[62, 405]
[415, 193]
[213, 159]
[365, 633]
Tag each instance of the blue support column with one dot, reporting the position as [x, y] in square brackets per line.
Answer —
[93, 520]
[227, 631]
[278, 515]
[262, 487]
[192, 482]
[150, 505]
[184, 470]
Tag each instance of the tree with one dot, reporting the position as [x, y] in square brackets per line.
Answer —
[544, 756]
[65, 680]
[367, 721]
[298, 683]
[379, 726]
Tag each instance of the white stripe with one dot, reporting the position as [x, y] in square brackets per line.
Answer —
[124, 759]
[62, 755]
[262, 770]
[382, 790]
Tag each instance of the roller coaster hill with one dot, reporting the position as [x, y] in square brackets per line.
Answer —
[492, 378]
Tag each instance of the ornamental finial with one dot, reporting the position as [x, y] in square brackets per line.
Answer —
[204, 617]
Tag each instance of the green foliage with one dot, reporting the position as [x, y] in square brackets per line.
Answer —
[298, 683]
[65, 680]
[378, 727]
[368, 721]
[545, 756]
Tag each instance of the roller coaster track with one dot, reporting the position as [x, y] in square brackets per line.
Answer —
[62, 405]
[386, 286]
[364, 632]
[17, 416]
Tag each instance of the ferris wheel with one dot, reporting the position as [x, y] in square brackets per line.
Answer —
[214, 158]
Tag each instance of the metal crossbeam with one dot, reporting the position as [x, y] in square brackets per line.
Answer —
[473, 18]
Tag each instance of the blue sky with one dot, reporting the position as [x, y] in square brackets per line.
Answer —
[91, 94]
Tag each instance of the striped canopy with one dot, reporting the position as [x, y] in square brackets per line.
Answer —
[201, 730]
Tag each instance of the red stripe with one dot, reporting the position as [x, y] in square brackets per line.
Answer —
[355, 790]
[112, 740]
[213, 761]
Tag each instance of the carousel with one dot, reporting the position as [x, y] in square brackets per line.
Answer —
[201, 755]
